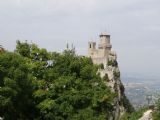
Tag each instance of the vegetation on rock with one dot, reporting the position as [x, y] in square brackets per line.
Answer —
[156, 113]
[133, 115]
[113, 63]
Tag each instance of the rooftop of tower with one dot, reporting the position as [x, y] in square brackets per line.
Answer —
[104, 34]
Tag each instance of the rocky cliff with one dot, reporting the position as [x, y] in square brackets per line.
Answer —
[111, 77]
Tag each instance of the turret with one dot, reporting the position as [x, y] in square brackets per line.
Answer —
[92, 45]
[91, 48]
[105, 42]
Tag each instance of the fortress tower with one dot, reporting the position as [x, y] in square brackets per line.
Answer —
[101, 54]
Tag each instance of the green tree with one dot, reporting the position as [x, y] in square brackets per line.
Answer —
[75, 92]
[15, 88]
[23, 48]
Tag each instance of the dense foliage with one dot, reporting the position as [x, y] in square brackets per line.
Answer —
[40, 85]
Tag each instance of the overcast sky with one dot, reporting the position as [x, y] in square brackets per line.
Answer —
[134, 26]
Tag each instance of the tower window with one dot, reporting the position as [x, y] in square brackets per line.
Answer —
[90, 45]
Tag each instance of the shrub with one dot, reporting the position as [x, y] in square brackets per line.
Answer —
[112, 63]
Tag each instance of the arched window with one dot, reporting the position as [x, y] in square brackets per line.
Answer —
[90, 45]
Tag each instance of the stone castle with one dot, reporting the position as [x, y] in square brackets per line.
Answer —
[103, 53]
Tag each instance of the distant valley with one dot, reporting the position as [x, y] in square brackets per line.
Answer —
[138, 87]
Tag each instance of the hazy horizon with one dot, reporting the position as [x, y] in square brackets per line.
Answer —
[133, 25]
